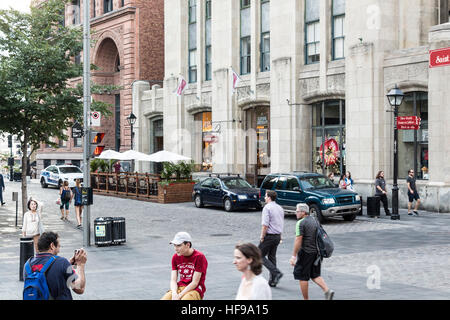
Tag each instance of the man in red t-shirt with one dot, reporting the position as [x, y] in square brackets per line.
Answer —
[188, 270]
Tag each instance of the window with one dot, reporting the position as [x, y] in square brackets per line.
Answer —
[265, 35]
[292, 183]
[107, 6]
[338, 32]
[122, 3]
[204, 139]
[77, 142]
[245, 45]
[312, 32]
[192, 42]
[208, 40]
[47, 162]
[94, 13]
[280, 183]
[269, 182]
[413, 144]
[328, 134]
[75, 10]
[207, 183]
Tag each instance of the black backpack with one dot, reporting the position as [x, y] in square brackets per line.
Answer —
[324, 244]
[66, 195]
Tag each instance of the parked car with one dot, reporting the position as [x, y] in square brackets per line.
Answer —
[316, 190]
[56, 174]
[230, 191]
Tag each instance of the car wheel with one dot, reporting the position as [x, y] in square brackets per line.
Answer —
[43, 184]
[314, 211]
[349, 217]
[198, 201]
[228, 205]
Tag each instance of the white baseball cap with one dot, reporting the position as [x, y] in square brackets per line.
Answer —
[181, 237]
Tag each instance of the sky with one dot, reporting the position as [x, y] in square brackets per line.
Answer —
[21, 5]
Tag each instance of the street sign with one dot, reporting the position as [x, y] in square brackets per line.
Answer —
[77, 130]
[408, 123]
[95, 119]
[407, 127]
[439, 57]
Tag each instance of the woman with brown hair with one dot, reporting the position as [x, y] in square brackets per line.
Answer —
[32, 222]
[78, 201]
[248, 260]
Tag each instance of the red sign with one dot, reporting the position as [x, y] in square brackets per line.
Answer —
[409, 120]
[439, 57]
[407, 127]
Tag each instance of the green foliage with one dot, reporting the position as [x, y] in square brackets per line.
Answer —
[95, 164]
[182, 170]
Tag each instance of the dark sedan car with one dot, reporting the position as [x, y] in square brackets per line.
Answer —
[230, 192]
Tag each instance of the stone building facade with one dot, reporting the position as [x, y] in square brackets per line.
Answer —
[314, 75]
[128, 45]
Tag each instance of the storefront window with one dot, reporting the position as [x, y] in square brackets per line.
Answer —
[203, 124]
[158, 142]
[328, 134]
[413, 144]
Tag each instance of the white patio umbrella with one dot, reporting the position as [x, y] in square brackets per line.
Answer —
[111, 154]
[135, 155]
[166, 156]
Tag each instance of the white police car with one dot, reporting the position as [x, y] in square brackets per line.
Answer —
[56, 174]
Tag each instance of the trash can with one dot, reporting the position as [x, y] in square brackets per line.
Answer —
[103, 231]
[373, 206]
[118, 230]
[26, 252]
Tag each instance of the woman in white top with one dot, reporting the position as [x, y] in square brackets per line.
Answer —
[32, 222]
[247, 258]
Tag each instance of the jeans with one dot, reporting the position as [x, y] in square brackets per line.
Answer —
[384, 200]
[269, 248]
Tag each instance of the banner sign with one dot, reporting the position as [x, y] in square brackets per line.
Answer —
[439, 57]
[408, 123]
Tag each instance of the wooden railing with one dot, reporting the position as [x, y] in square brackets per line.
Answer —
[143, 186]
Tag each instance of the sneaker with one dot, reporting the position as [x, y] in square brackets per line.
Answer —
[415, 212]
[276, 279]
[410, 214]
[329, 294]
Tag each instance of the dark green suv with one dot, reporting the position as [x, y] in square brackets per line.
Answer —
[317, 191]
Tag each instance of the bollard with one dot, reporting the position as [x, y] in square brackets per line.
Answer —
[26, 252]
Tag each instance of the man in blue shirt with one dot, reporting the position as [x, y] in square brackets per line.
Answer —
[272, 227]
[61, 276]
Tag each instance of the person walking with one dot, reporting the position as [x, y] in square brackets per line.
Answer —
[2, 189]
[380, 191]
[304, 258]
[63, 275]
[271, 230]
[32, 223]
[349, 181]
[78, 202]
[412, 193]
[66, 196]
[187, 281]
[248, 260]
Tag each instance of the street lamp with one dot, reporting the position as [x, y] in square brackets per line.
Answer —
[131, 121]
[395, 97]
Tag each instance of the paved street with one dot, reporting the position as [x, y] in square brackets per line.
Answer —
[374, 259]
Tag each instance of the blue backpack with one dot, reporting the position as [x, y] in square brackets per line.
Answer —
[35, 284]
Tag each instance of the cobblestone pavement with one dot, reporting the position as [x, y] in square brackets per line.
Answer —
[374, 259]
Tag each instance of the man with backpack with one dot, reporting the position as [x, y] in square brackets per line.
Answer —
[305, 256]
[50, 277]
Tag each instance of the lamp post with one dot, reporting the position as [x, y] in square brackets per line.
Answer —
[131, 121]
[395, 97]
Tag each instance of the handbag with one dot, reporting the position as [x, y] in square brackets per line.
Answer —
[58, 201]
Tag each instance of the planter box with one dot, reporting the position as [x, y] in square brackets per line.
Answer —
[175, 192]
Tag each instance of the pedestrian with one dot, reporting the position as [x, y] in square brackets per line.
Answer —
[187, 281]
[2, 189]
[32, 223]
[331, 176]
[61, 276]
[342, 182]
[271, 230]
[349, 181]
[305, 256]
[117, 167]
[412, 193]
[380, 191]
[78, 201]
[66, 196]
[248, 260]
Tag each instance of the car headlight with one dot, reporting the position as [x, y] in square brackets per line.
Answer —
[242, 197]
[328, 201]
[357, 197]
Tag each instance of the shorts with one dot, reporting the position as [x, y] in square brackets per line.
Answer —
[190, 295]
[304, 268]
[413, 196]
[64, 204]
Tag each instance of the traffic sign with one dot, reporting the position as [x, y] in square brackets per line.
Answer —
[407, 127]
[408, 123]
[95, 119]
[77, 130]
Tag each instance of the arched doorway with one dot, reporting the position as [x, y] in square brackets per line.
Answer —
[257, 143]
[107, 59]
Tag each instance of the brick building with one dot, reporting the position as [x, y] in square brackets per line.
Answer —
[128, 45]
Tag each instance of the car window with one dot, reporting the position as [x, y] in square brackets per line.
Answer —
[269, 182]
[69, 170]
[318, 182]
[207, 183]
[291, 183]
[280, 183]
[236, 183]
[216, 183]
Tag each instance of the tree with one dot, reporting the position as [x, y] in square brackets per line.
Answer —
[37, 101]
